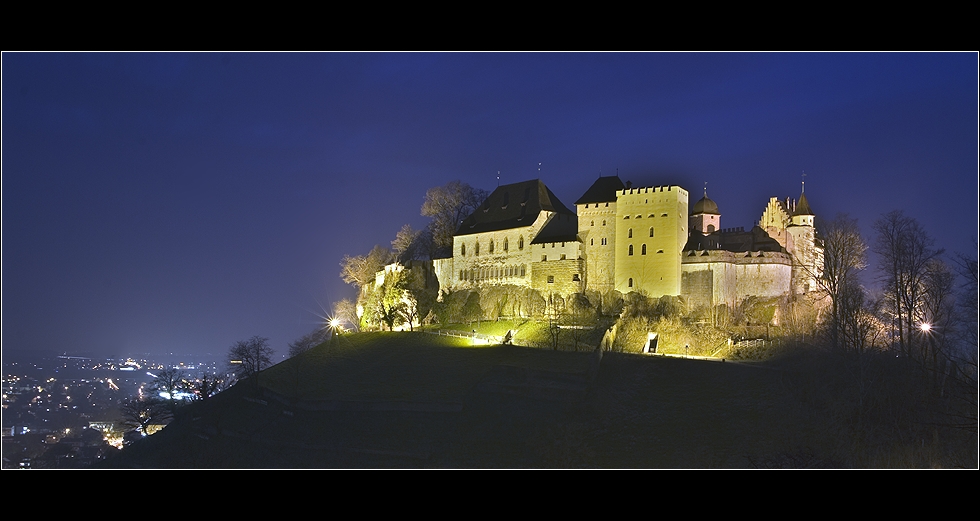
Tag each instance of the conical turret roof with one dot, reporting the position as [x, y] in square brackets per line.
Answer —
[803, 207]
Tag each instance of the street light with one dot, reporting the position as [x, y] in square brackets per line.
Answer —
[335, 328]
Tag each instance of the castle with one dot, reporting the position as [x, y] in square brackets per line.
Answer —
[630, 239]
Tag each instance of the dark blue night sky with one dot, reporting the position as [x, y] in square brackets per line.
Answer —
[180, 202]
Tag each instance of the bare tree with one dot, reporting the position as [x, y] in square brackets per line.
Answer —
[308, 341]
[411, 244]
[447, 206]
[346, 310]
[968, 302]
[859, 326]
[170, 382]
[360, 271]
[207, 385]
[556, 314]
[905, 250]
[938, 316]
[249, 357]
[139, 414]
[845, 255]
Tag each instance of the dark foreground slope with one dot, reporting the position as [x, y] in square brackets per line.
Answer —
[419, 401]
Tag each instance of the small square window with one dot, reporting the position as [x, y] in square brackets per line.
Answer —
[551, 279]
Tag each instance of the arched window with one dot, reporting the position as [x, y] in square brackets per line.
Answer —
[491, 246]
[603, 222]
[631, 233]
[591, 223]
[643, 250]
[520, 243]
[476, 249]
[506, 244]
[631, 282]
[462, 250]
[651, 231]
[591, 242]
[711, 229]
[631, 249]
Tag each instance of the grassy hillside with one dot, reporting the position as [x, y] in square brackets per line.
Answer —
[417, 400]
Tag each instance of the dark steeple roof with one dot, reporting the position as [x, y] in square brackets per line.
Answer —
[705, 205]
[513, 206]
[603, 190]
[802, 207]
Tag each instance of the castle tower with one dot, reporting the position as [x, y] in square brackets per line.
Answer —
[807, 252]
[651, 231]
[597, 230]
[705, 217]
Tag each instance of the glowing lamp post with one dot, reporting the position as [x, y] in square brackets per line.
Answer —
[335, 328]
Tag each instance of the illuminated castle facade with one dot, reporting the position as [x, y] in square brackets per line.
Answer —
[628, 239]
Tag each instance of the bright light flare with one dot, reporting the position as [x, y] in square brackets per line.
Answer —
[925, 327]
